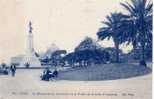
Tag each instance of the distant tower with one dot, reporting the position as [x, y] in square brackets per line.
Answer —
[30, 47]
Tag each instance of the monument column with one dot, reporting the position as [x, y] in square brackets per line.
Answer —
[30, 47]
[30, 57]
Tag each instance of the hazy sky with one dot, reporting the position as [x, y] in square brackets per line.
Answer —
[63, 22]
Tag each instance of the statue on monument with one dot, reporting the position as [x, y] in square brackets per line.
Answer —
[30, 27]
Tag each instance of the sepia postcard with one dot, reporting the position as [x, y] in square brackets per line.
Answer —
[76, 49]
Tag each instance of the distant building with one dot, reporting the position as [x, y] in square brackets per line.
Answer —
[17, 59]
[53, 47]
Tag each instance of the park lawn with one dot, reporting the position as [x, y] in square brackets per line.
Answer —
[104, 72]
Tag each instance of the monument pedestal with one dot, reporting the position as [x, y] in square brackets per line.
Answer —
[30, 60]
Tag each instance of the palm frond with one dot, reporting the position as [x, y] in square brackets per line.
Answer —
[107, 23]
[148, 8]
[109, 19]
[129, 7]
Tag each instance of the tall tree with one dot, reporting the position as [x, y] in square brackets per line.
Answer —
[115, 28]
[88, 43]
[140, 16]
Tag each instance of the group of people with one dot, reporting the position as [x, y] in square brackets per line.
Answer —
[6, 70]
[49, 75]
[46, 76]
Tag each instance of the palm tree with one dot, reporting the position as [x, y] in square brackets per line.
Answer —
[140, 17]
[115, 28]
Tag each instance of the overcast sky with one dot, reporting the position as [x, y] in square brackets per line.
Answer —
[63, 22]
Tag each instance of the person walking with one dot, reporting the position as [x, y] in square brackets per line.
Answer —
[13, 70]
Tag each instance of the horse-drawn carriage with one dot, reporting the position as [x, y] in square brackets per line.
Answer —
[48, 75]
